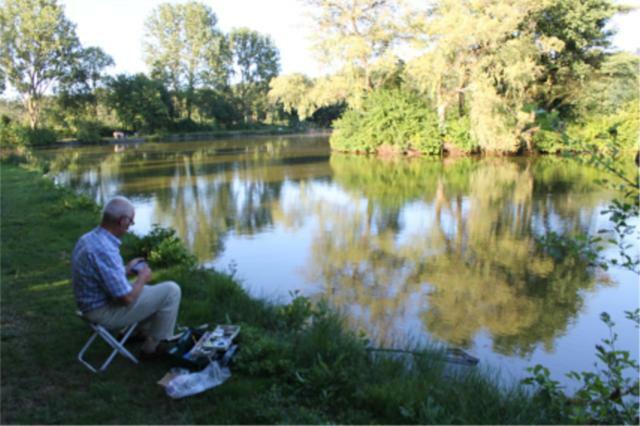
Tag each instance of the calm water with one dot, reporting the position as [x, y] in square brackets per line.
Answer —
[409, 249]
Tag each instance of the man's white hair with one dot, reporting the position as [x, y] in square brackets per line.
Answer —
[117, 208]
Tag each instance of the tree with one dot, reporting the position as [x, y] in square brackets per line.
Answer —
[579, 26]
[139, 102]
[77, 89]
[256, 61]
[614, 84]
[481, 59]
[90, 66]
[292, 91]
[357, 37]
[185, 49]
[38, 48]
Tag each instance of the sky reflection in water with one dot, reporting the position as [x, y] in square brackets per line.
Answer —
[408, 249]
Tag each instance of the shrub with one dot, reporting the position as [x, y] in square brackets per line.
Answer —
[620, 128]
[89, 131]
[394, 119]
[13, 133]
[161, 247]
[458, 134]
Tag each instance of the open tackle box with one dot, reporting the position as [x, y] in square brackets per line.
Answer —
[197, 347]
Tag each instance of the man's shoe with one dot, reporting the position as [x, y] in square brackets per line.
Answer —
[161, 352]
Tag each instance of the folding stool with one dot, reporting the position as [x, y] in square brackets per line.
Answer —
[117, 345]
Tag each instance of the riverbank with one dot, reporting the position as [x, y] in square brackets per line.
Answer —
[297, 364]
[190, 136]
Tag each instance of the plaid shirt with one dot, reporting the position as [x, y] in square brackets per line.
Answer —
[97, 270]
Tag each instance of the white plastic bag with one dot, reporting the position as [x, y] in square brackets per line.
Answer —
[191, 383]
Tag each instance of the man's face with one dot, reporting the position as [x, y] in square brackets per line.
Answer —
[126, 222]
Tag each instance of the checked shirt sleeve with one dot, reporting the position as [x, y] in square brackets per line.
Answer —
[111, 270]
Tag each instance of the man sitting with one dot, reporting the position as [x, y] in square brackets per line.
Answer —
[102, 291]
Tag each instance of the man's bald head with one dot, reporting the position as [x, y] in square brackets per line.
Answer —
[116, 209]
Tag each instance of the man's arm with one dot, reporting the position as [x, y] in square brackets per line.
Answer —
[144, 276]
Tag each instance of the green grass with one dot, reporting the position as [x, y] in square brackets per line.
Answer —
[297, 364]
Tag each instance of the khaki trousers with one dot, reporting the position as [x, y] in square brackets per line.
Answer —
[156, 309]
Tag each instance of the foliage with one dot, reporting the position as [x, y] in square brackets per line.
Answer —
[357, 36]
[218, 106]
[458, 134]
[549, 135]
[89, 131]
[12, 133]
[86, 73]
[256, 60]
[578, 32]
[139, 102]
[614, 84]
[599, 131]
[606, 396]
[392, 120]
[39, 47]
[161, 247]
[292, 91]
[186, 51]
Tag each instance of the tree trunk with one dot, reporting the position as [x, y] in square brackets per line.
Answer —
[32, 111]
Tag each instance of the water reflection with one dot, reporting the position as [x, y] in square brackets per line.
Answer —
[462, 237]
[408, 248]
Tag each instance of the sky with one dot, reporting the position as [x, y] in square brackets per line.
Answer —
[117, 26]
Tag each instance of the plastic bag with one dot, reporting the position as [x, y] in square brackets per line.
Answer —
[191, 383]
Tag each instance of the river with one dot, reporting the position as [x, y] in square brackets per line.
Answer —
[410, 250]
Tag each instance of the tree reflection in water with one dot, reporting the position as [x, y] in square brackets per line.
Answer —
[453, 243]
[475, 266]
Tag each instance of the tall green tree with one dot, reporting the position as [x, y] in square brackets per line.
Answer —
[38, 47]
[481, 58]
[256, 60]
[185, 49]
[77, 89]
[139, 102]
[580, 27]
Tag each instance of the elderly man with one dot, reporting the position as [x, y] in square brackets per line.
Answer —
[102, 291]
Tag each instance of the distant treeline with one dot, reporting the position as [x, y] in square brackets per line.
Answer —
[488, 76]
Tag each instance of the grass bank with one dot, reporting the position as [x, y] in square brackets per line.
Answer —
[297, 364]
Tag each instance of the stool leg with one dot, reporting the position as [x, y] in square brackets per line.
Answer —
[84, 350]
[118, 346]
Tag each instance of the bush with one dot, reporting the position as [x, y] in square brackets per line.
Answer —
[458, 134]
[549, 137]
[18, 135]
[597, 131]
[389, 119]
[15, 134]
[89, 131]
[161, 247]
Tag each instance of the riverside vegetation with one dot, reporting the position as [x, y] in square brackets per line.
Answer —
[489, 76]
[298, 363]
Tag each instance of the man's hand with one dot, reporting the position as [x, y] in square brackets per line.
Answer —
[145, 274]
[130, 265]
